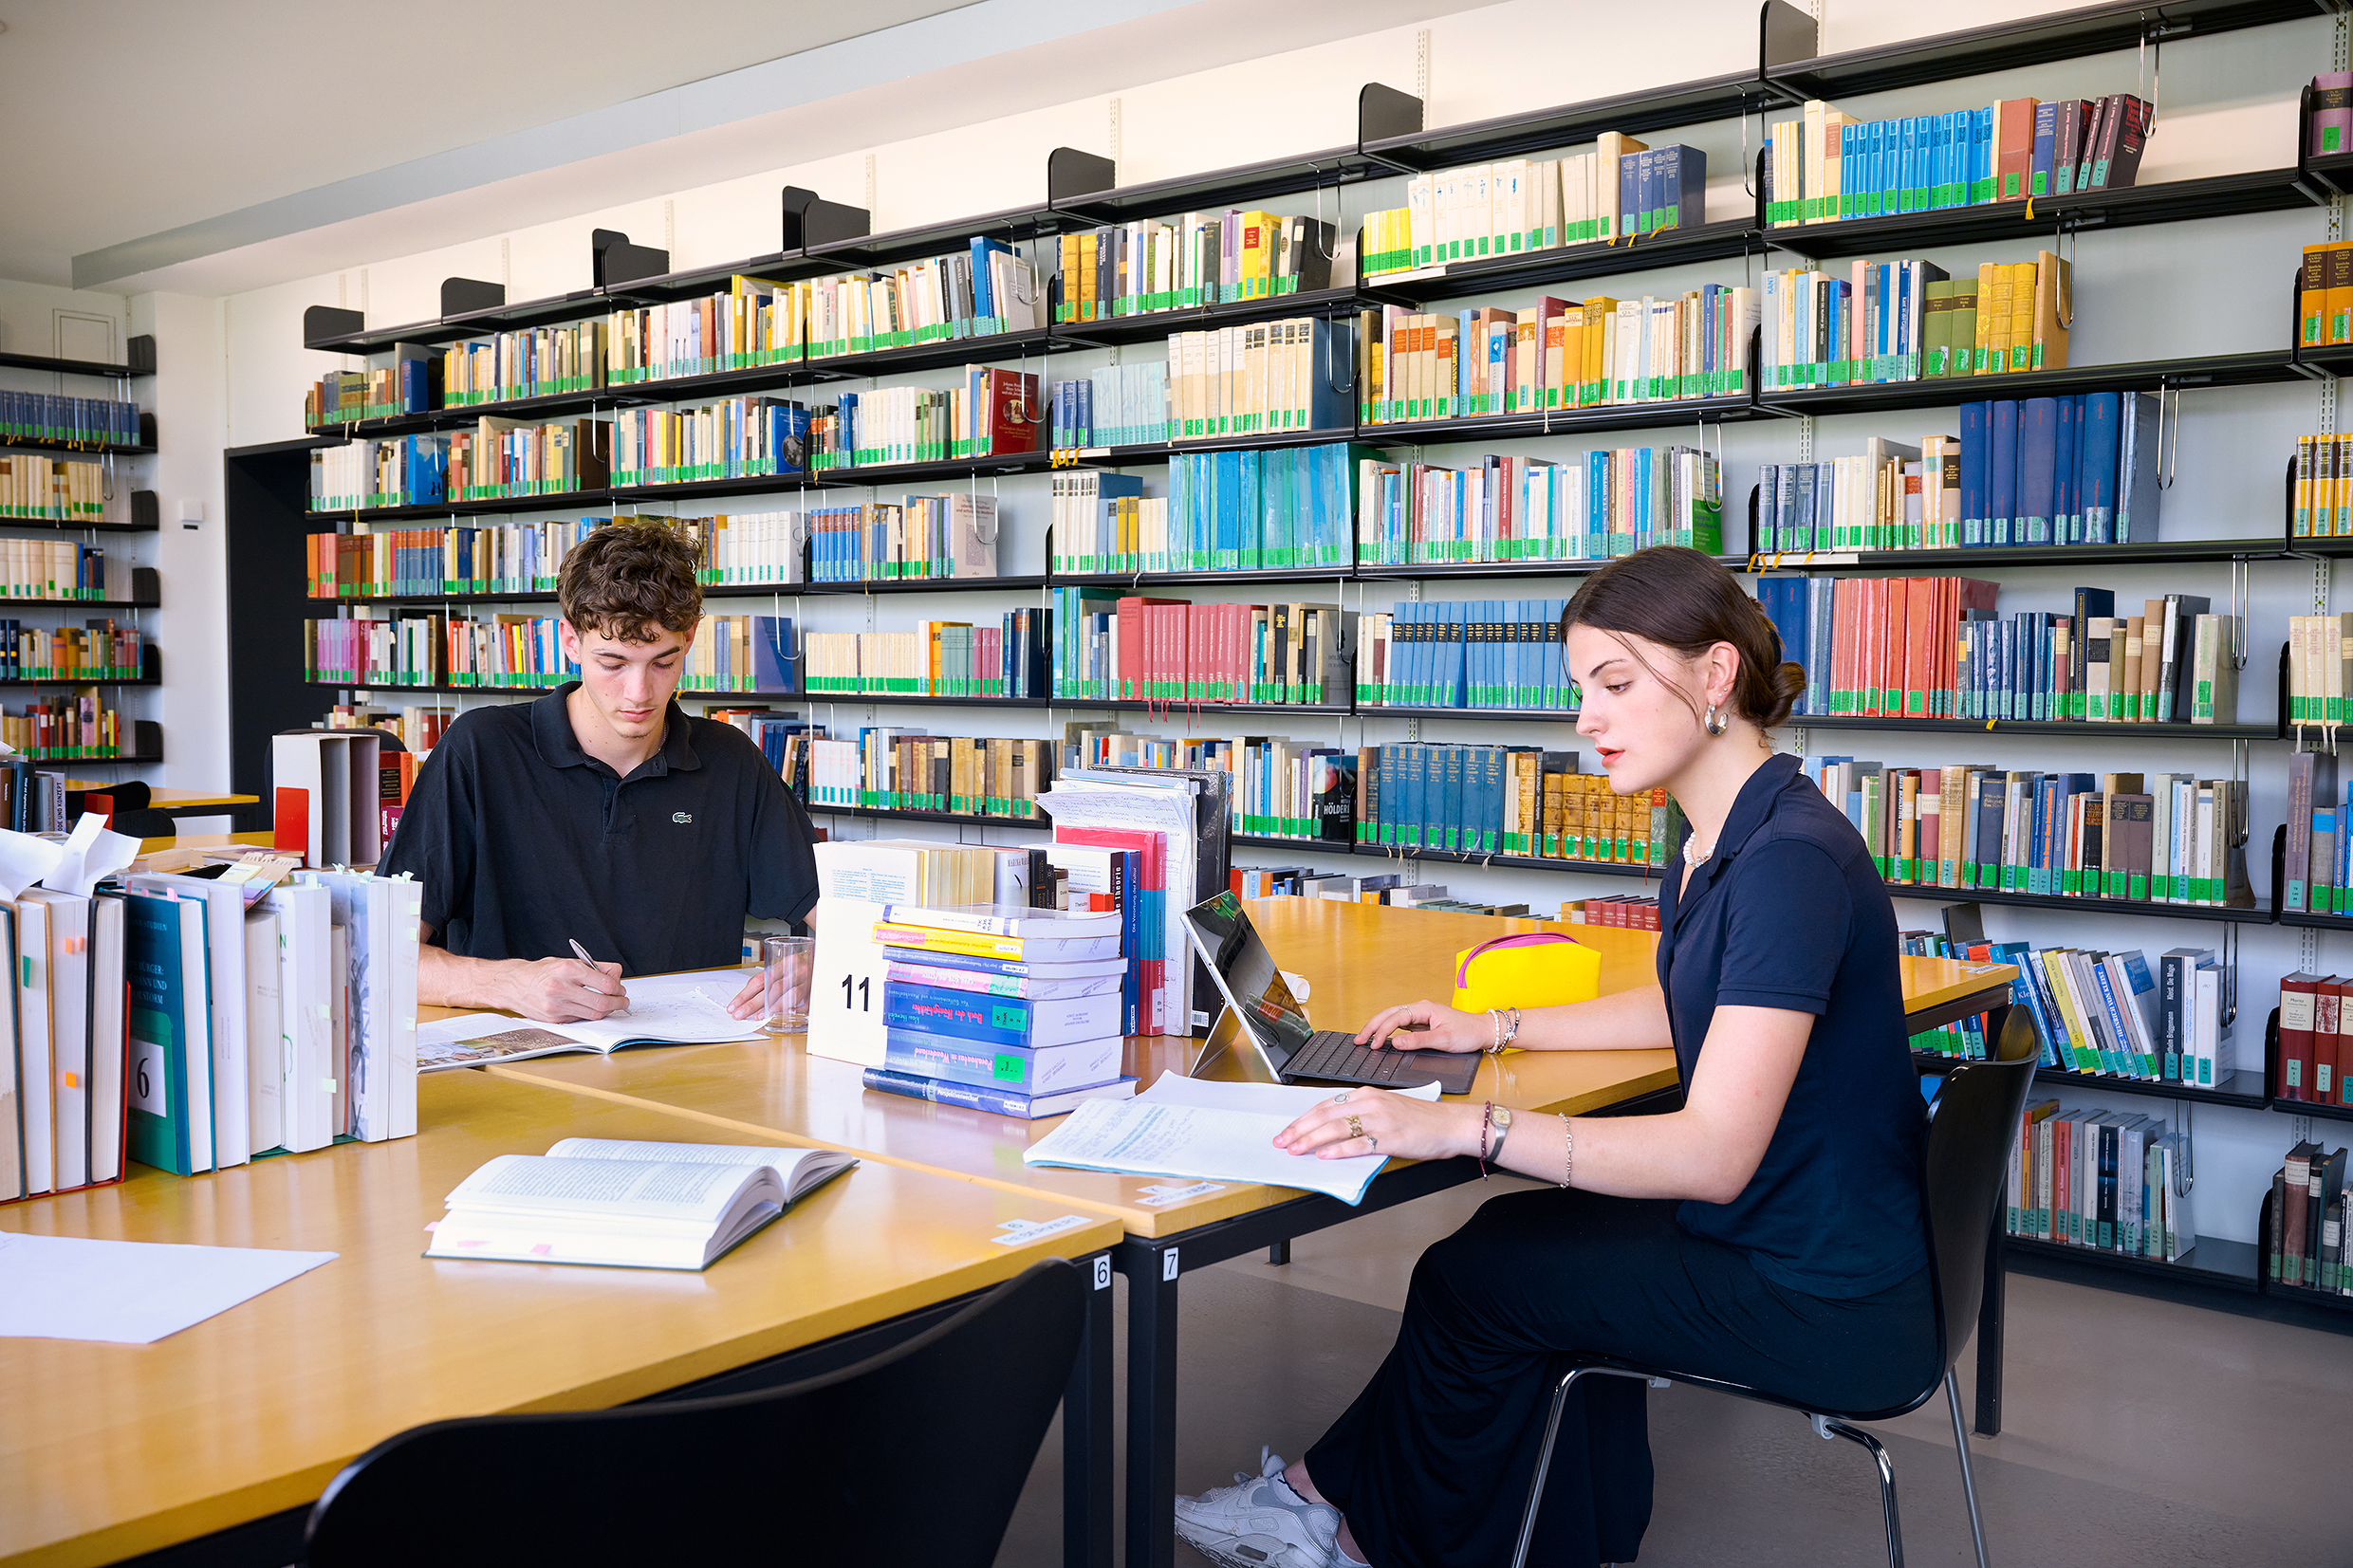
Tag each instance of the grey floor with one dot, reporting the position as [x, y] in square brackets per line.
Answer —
[2136, 1433]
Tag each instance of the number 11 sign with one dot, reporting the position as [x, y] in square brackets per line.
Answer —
[845, 997]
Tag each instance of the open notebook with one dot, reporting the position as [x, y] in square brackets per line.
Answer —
[626, 1205]
[664, 1010]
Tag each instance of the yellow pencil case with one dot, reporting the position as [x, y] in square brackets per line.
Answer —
[1532, 970]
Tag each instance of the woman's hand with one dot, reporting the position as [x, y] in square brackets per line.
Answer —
[1435, 1028]
[1375, 1122]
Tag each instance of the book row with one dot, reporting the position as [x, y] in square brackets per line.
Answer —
[2322, 505]
[895, 768]
[96, 650]
[1824, 165]
[61, 570]
[430, 649]
[1624, 189]
[936, 659]
[2040, 471]
[77, 728]
[2312, 1055]
[1555, 354]
[1198, 259]
[1224, 510]
[1393, 889]
[499, 459]
[1110, 646]
[2317, 874]
[2305, 1245]
[1935, 647]
[2100, 1180]
[1603, 503]
[753, 322]
[2324, 296]
[1467, 654]
[2320, 655]
[50, 489]
[2167, 840]
[51, 417]
[1908, 320]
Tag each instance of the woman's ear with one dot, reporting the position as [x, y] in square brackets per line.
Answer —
[1720, 668]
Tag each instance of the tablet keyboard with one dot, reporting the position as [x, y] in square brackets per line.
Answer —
[1331, 1056]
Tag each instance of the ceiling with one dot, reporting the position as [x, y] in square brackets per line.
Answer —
[159, 113]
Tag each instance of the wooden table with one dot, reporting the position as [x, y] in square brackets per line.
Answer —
[178, 803]
[236, 1424]
[1357, 958]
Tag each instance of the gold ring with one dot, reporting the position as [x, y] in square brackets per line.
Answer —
[1356, 1127]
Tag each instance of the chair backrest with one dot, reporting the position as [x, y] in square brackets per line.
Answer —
[1970, 1140]
[915, 1456]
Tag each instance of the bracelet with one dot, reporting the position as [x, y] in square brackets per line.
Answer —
[1568, 1151]
[1495, 1016]
[1487, 1122]
[1505, 1032]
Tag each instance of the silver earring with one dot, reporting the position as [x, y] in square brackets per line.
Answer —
[1717, 721]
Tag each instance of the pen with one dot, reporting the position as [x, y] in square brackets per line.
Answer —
[581, 953]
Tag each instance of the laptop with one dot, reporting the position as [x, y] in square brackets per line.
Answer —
[1261, 1011]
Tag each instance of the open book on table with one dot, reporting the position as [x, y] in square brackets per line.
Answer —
[664, 1010]
[626, 1205]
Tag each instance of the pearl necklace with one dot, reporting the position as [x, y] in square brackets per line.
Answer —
[1694, 853]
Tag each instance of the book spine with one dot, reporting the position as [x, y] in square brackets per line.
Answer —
[945, 1092]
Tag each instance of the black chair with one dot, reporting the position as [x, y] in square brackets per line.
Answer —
[915, 1456]
[1972, 1128]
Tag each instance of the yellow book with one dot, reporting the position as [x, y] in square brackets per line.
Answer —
[1256, 254]
[1992, 310]
[1600, 311]
[1086, 277]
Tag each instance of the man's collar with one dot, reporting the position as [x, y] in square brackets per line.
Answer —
[559, 746]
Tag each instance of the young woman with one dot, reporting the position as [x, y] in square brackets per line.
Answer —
[1770, 1232]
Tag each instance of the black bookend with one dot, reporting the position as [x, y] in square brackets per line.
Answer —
[792, 232]
[1384, 112]
[138, 355]
[1070, 174]
[1785, 34]
[2286, 731]
[831, 223]
[2279, 834]
[146, 512]
[463, 296]
[612, 260]
[323, 325]
[147, 428]
[2288, 508]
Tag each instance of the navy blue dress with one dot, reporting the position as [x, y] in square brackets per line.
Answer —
[1812, 1283]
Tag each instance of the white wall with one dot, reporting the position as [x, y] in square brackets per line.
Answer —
[2225, 103]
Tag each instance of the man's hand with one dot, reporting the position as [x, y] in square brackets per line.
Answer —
[793, 984]
[563, 990]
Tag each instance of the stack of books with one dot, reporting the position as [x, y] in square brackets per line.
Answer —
[2102, 1180]
[1514, 508]
[2305, 1247]
[1009, 1010]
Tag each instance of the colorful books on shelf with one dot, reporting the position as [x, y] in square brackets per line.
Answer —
[1555, 354]
[538, 362]
[1108, 647]
[430, 648]
[97, 650]
[2045, 470]
[1622, 911]
[1935, 648]
[1514, 509]
[2312, 1058]
[900, 769]
[992, 413]
[733, 438]
[1906, 320]
[498, 459]
[1224, 511]
[2105, 1014]
[937, 658]
[2112, 1181]
[69, 1083]
[2323, 504]
[1824, 166]
[1265, 377]
[2316, 878]
[83, 422]
[932, 536]
[405, 378]
[2170, 839]
[2306, 1248]
[1621, 190]
[1201, 258]
[1507, 800]
[79, 727]
[1115, 406]
[1468, 654]
[1282, 788]
[34, 489]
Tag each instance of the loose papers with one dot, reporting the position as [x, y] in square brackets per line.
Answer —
[1207, 1131]
[132, 1293]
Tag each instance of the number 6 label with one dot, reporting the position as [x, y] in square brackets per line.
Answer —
[147, 1077]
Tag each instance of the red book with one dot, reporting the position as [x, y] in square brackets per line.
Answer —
[2299, 1003]
[2013, 148]
[291, 820]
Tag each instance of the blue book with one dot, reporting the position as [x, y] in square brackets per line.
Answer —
[171, 1126]
[995, 1102]
[2045, 144]
[2097, 444]
[1851, 169]
[1976, 474]
[1682, 187]
[2066, 520]
[2002, 473]
[2037, 471]
[1880, 177]
[1630, 192]
[1018, 1069]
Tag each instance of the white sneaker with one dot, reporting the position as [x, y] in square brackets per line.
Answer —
[1260, 1522]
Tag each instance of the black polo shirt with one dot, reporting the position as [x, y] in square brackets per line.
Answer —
[1789, 912]
[524, 841]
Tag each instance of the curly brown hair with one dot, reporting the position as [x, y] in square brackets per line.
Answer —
[629, 577]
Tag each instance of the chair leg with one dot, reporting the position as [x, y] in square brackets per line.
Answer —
[1969, 1482]
[1543, 1454]
[1831, 1427]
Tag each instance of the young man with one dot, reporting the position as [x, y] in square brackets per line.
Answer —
[599, 814]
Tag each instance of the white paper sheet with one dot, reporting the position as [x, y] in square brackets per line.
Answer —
[130, 1293]
[25, 859]
[91, 850]
[1209, 1131]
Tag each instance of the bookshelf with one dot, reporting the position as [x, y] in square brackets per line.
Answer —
[138, 511]
[816, 238]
